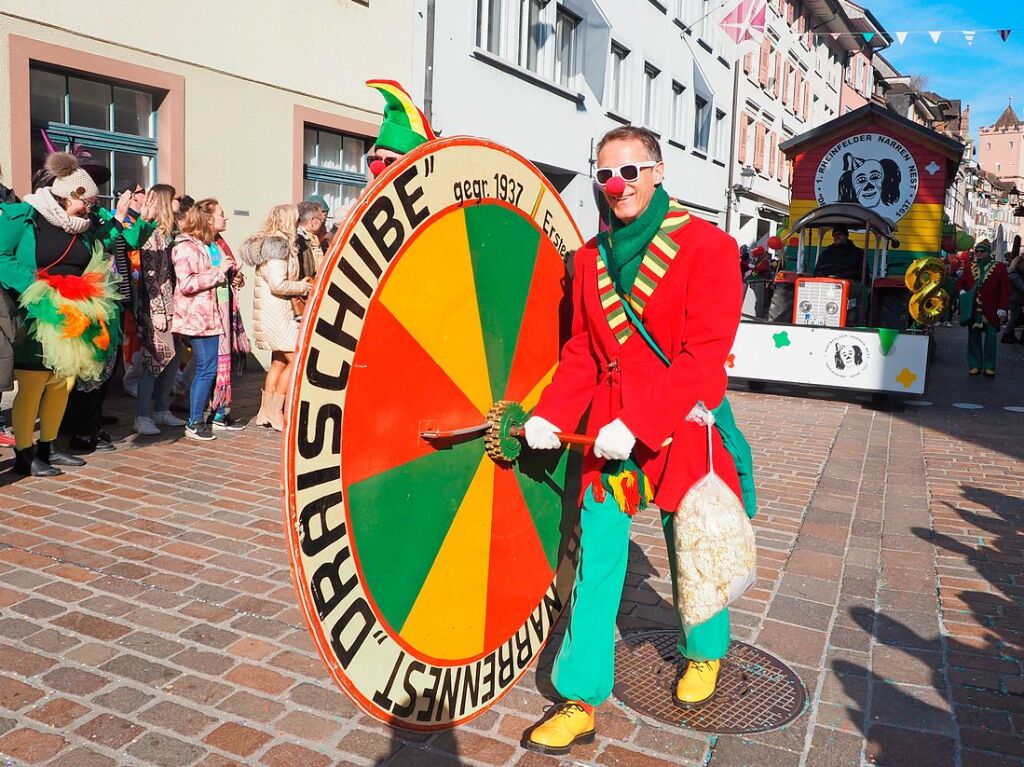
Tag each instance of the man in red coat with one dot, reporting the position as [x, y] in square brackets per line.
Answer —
[681, 277]
[991, 284]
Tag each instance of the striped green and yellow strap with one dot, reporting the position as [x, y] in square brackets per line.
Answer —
[659, 256]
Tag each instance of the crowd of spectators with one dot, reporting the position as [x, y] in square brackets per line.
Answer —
[147, 294]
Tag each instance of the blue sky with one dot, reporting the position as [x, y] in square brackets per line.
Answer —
[982, 75]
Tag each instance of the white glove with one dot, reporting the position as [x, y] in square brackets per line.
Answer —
[541, 434]
[614, 441]
[1001, 314]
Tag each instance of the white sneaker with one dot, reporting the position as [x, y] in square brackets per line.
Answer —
[167, 418]
[146, 427]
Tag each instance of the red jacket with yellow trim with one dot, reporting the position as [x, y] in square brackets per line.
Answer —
[693, 316]
[994, 294]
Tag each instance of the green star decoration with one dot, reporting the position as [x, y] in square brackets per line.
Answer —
[781, 339]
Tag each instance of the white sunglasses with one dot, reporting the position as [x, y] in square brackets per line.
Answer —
[629, 172]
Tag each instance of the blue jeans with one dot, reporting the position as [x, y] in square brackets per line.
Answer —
[155, 391]
[204, 348]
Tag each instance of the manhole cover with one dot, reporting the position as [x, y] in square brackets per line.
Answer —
[756, 691]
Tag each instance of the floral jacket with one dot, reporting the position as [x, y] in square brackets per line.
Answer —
[196, 312]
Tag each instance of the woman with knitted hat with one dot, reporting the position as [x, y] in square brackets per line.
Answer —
[52, 259]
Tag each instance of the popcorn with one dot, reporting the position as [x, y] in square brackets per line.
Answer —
[716, 555]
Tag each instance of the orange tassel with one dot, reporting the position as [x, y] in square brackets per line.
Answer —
[597, 487]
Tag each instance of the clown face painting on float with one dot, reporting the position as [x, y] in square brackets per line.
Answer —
[872, 170]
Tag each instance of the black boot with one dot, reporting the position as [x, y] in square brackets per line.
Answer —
[25, 462]
[47, 453]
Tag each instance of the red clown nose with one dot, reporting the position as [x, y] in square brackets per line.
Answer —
[377, 167]
[616, 185]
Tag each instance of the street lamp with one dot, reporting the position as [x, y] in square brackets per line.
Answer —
[1014, 199]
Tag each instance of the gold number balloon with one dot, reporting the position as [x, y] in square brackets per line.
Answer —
[924, 280]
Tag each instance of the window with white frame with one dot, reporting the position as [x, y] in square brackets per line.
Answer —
[704, 25]
[721, 136]
[693, 14]
[651, 74]
[618, 80]
[496, 21]
[538, 35]
[703, 112]
[334, 166]
[533, 35]
[115, 122]
[678, 129]
[566, 31]
[701, 122]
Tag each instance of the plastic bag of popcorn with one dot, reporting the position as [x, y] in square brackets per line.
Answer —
[716, 553]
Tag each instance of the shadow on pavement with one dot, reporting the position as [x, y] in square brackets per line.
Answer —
[978, 661]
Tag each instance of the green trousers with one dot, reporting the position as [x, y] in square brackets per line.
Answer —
[981, 347]
[585, 665]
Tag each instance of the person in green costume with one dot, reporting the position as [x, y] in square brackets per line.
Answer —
[985, 286]
[656, 305]
[53, 262]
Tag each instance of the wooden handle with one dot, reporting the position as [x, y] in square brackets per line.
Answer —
[567, 438]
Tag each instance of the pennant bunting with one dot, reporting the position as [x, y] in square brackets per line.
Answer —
[867, 37]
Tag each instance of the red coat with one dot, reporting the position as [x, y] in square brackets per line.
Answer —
[994, 294]
[693, 315]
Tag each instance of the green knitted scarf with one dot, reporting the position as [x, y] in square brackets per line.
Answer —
[627, 243]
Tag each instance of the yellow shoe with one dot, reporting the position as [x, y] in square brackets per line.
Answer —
[573, 723]
[697, 686]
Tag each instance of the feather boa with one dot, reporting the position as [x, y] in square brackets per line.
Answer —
[75, 319]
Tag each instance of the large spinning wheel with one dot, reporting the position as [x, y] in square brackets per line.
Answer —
[431, 572]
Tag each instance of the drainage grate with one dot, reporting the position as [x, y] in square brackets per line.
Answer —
[756, 691]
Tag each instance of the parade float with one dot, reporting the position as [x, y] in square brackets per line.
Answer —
[885, 179]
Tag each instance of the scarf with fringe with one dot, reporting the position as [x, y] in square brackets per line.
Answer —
[46, 205]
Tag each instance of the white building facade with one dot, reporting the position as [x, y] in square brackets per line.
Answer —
[549, 77]
[790, 83]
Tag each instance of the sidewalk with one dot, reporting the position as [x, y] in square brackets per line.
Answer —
[147, 614]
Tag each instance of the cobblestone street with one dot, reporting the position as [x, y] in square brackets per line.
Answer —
[147, 613]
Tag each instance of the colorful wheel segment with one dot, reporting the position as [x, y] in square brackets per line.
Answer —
[456, 550]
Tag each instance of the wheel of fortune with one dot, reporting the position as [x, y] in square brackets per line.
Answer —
[429, 573]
